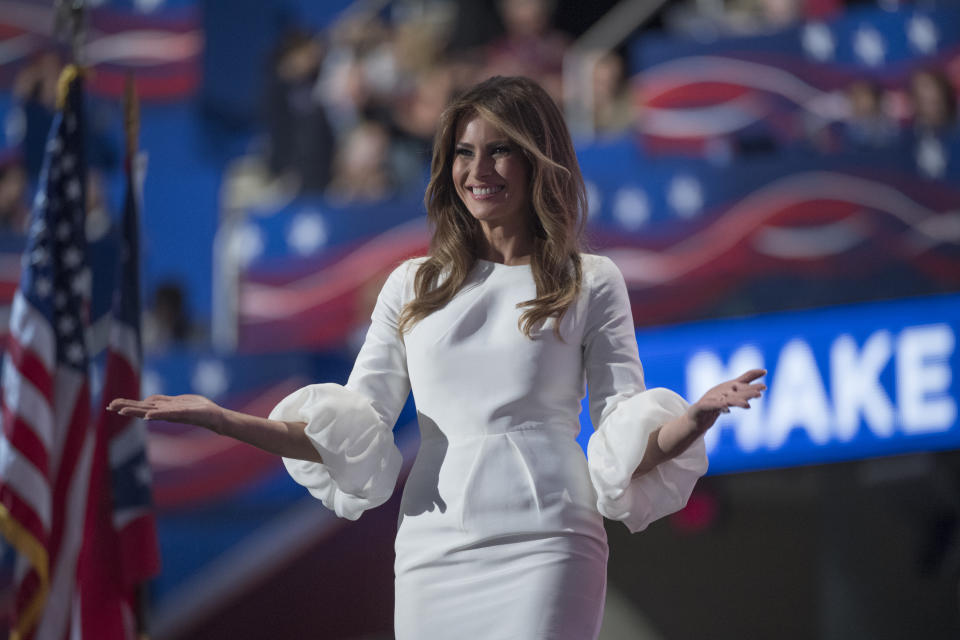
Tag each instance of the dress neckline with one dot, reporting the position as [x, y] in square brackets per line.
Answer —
[500, 265]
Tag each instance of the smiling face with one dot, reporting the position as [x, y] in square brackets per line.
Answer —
[491, 174]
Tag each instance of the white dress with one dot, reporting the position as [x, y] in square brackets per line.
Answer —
[500, 533]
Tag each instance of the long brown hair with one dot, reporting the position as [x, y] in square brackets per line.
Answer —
[527, 115]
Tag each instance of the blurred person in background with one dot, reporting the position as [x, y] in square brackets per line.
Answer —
[35, 96]
[419, 42]
[530, 45]
[362, 166]
[14, 196]
[868, 126]
[707, 20]
[773, 15]
[358, 73]
[167, 323]
[762, 16]
[300, 138]
[933, 100]
[414, 122]
[35, 91]
[613, 104]
[496, 332]
[411, 87]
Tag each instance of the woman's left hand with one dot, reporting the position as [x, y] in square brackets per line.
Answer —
[674, 437]
[719, 399]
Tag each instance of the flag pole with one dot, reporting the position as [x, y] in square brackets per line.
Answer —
[131, 127]
[131, 111]
[70, 25]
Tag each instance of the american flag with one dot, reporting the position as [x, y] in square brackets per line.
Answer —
[46, 448]
[120, 550]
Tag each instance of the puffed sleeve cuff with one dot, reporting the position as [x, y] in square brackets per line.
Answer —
[616, 448]
[360, 460]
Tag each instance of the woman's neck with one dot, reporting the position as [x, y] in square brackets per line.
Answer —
[508, 246]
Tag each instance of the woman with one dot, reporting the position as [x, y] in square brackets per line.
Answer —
[500, 532]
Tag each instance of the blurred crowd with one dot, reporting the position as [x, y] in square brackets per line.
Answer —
[350, 112]
[876, 117]
[866, 115]
[708, 19]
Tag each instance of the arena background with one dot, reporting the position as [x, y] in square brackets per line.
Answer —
[777, 180]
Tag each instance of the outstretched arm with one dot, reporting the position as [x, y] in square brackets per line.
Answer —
[675, 436]
[287, 439]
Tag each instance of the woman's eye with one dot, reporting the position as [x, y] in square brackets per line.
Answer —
[463, 152]
[501, 149]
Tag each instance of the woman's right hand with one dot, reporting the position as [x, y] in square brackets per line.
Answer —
[188, 409]
[287, 439]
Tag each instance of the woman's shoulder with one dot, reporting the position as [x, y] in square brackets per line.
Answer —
[399, 283]
[599, 271]
[603, 293]
[416, 261]
[413, 263]
[407, 269]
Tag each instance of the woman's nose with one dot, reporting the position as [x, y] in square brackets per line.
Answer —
[483, 165]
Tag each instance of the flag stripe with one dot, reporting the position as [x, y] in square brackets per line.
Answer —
[22, 440]
[25, 523]
[31, 328]
[125, 342]
[67, 388]
[30, 366]
[127, 518]
[31, 596]
[27, 402]
[98, 334]
[28, 585]
[21, 477]
[71, 465]
[72, 476]
[4, 317]
[71, 498]
[122, 380]
[127, 443]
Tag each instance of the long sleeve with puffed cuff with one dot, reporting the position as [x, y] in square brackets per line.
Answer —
[351, 426]
[624, 414]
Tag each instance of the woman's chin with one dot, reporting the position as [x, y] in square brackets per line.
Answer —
[491, 215]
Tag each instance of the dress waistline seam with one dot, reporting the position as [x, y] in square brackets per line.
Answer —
[544, 427]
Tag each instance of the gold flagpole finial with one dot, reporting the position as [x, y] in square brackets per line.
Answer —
[67, 76]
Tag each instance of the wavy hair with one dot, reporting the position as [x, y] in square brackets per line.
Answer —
[528, 116]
